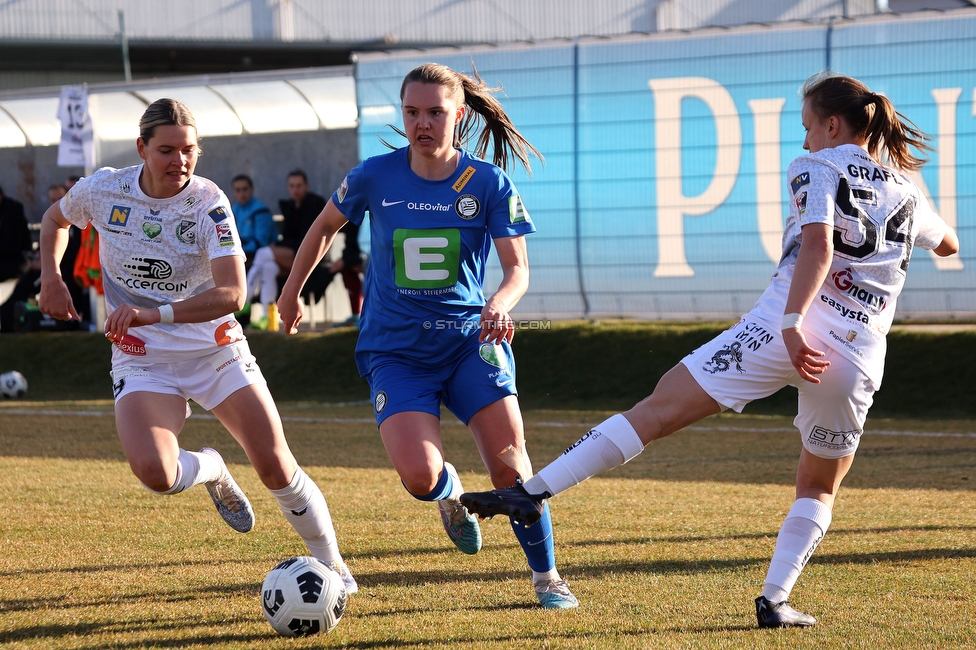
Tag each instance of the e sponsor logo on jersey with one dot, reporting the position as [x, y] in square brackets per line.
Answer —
[218, 214]
[189, 202]
[119, 215]
[800, 181]
[467, 206]
[379, 402]
[516, 210]
[463, 179]
[343, 189]
[125, 187]
[186, 232]
[426, 259]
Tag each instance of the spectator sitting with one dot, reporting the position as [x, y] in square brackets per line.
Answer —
[15, 238]
[351, 266]
[255, 224]
[299, 213]
[27, 283]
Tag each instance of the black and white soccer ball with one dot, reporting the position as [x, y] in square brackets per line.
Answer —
[303, 596]
[13, 385]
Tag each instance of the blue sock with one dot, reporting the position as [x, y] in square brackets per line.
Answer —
[536, 542]
[445, 484]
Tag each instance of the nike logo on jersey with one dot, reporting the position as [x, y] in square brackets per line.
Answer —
[387, 204]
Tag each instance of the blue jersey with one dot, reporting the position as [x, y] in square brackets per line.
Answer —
[429, 245]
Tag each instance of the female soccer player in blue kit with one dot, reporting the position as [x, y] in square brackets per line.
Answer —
[428, 333]
[820, 326]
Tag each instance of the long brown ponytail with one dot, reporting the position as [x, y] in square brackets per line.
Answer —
[486, 122]
[871, 116]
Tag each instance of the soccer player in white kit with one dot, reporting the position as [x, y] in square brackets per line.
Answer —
[820, 326]
[173, 270]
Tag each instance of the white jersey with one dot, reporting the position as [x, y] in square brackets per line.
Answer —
[878, 216]
[156, 251]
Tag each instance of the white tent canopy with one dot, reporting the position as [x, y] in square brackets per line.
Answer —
[290, 100]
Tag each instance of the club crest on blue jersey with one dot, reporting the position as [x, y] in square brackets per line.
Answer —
[800, 181]
[467, 206]
[218, 214]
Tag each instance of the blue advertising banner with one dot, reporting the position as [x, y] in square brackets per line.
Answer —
[663, 193]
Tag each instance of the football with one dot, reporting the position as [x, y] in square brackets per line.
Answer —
[303, 596]
[13, 385]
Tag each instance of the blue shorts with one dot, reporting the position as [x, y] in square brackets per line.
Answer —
[483, 374]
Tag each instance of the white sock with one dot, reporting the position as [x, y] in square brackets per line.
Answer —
[456, 489]
[254, 273]
[269, 281]
[304, 506]
[192, 468]
[607, 445]
[802, 530]
[545, 576]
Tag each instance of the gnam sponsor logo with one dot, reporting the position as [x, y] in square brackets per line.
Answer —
[430, 207]
[850, 314]
[844, 281]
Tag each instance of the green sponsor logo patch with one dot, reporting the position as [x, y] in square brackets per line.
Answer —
[426, 259]
[151, 229]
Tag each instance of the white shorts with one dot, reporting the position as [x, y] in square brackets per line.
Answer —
[749, 361]
[208, 380]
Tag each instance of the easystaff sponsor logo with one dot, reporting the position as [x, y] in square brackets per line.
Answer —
[850, 314]
[835, 440]
[844, 281]
[132, 345]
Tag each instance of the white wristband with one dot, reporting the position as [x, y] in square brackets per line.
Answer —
[792, 321]
[165, 313]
